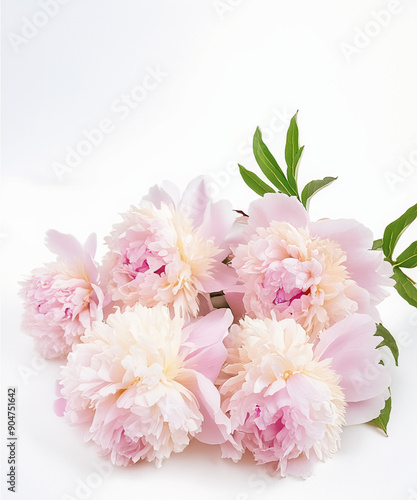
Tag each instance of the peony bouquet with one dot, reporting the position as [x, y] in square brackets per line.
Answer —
[254, 331]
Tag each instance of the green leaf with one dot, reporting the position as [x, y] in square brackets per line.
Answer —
[409, 257]
[388, 340]
[377, 244]
[292, 152]
[382, 420]
[292, 146]
[293, 174]
[297, 157]
[394, 230]
[254, 182]
[313, 187]
[269, 165]
[405, 287]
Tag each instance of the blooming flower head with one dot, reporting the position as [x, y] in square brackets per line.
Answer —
[316, 273]
[288, 399]
[62, 298]
[285, 406]
[171, 252]
[141, 384]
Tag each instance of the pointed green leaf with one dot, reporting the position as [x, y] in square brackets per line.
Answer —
[313, 187]
[292, 174]
[388, 340]
[382, 420]
[409, 257]
[405, 287]
[269, 165]
[394, 230]
[297, 157]
[377, 244]
[254, 182]
[292, 152]
[292, 146]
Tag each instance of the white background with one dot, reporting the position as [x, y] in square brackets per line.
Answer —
[224, 67]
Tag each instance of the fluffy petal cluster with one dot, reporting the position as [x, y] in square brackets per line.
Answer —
[62, 298]
[141, 384]
[314, 272]
[288, 400]
[170, 251]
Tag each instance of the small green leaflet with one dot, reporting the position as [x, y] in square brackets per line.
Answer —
[388, 340]
[314, 187]
[254, 182]
[405, 287]
[409, 257]
[377, 244]
[383, 419]
[394, 230]
[269, 166]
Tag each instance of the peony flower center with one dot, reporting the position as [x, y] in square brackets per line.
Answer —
[282, 297]
[142, 260]
[287, 374]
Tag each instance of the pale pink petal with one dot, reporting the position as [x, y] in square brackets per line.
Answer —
[59, 407]
[277, 207]
[349, 233]
[355, 330]
[236, 304]
[208, 360]
[366, 267]
[210, 329]
[351, 346]
[221, 279]
[363, 411]
[90, 246]
[218, 219]
[158, 195]
[215, 426]
[65, 246]
[195, 199]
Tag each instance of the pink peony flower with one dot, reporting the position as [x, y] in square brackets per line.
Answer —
[288, 400]
[142, 384]
[62, 298]
[170, 251]
[314, 272]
